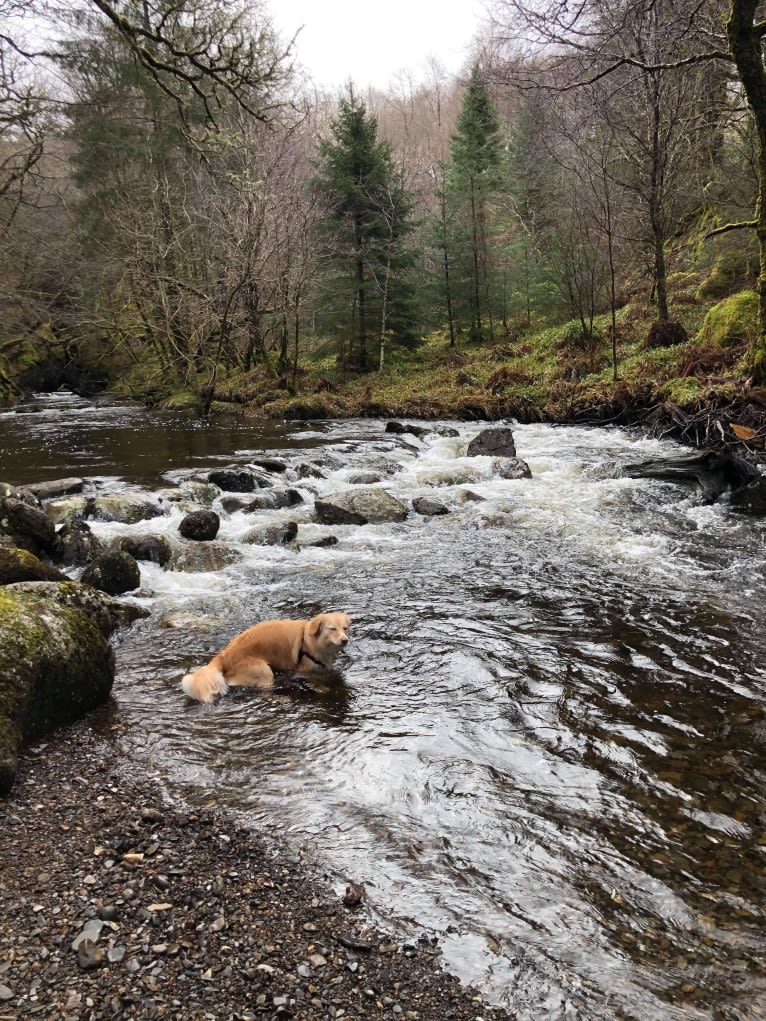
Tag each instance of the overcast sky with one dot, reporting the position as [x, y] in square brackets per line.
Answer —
[371, 42]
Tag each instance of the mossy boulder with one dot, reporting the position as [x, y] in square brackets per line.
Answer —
[732, 322]
[76, 545]
[103, 610]
[154, 548]
[21, 565]
[126, 507]
[55, 665]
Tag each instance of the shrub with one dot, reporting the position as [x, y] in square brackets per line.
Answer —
[732, 322]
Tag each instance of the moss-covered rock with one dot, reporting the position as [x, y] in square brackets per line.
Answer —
[732, 322]
[103, 610]
[55, 665]
[21, 565]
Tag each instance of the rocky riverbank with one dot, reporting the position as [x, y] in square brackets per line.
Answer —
[117, 904]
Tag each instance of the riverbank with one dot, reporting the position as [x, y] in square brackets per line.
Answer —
[116, 903]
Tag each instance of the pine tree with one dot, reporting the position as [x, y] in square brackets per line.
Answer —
[476, 176]
[364, 228]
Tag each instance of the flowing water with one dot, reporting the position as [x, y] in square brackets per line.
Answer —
[549, 749]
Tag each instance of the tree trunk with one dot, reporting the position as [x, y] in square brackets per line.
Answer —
[745, 42]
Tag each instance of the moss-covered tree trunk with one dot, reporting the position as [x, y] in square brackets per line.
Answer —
[745, 37]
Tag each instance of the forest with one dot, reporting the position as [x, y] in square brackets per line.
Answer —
[575, 225]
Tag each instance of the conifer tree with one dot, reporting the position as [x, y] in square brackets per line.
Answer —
[476, 176]
[364, 230]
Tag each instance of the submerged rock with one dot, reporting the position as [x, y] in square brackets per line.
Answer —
[274, 499]
[750, 499]
[203, 557]
[497, 442]
[364, 506]
[113, 572]
[55, 665]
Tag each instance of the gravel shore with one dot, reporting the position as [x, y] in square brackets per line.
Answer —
[116, 904]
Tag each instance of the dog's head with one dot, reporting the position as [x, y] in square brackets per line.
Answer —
[328, 633]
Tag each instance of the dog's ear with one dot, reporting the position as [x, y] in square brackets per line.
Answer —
[315, 626]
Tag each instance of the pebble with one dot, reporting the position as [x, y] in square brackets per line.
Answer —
[89, 956]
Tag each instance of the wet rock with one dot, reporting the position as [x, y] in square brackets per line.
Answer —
[72, 508]
[26, 525]
[366, 505]
[428, 508]
[108, 614]
[269, 464]
[76, 545]
[272, 535]
[305, 470]
[113, 572]
[21, 565]
[354, 895]
[154, 548]
[512, 468]
[713, 472]
[323, 542]
[234, 480]
[55, 665]
[21, 493]
[127, 508]
[750, 499]
[364, 479]
[446, 430]
[56, 488]
[468, 496]
[201, 525]
[274, 499]
[207, 556]
[399, 428]
[496, 442]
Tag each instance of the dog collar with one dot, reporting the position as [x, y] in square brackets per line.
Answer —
[309, 656]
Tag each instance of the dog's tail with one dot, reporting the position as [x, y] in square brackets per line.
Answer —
[205, 683]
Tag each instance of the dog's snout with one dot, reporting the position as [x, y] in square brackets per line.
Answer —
[344, 641]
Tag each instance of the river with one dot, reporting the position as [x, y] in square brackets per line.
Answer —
[549, 747]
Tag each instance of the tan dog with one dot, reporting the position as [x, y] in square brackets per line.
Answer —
[273, 645]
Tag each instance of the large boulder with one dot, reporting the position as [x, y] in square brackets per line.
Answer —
[55, 665]
[272, 535]
[113, 572]
[26, 525]
[107, 613]
[236, 480]
[364, 506]
[21, 565]
[496, 442]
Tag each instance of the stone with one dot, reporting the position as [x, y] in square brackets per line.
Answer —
[76, 545]
[750, 499]
[89, 956]
[27, 526]
[428, 508]
[55, 488]
[68, 509]
[201, 525]
[512, 468]
[234, 480]
[21, 565]
[154, 548]
[127, 507]
[272, 535]
[269, 464]
[55, 665]
[366, 505]
[113, 572]
[107, 613]
[203, 556]
[496, 442]
[399, 428]
[274, 499]
[364, 479]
